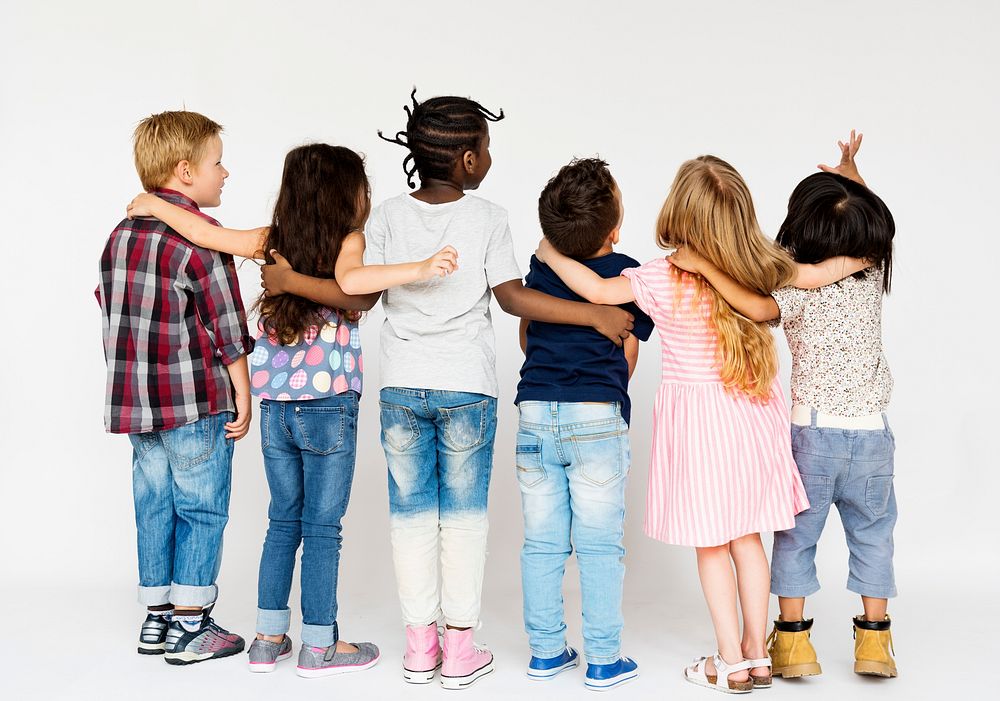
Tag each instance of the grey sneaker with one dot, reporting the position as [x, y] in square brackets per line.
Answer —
[324, 661]
[209, 642]
[265, 655]
[153, 635]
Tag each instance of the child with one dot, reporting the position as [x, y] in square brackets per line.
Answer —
[175, 341]
[840, 389]
[721, 470]
[572, 443]
[438, 384]
[308, 374]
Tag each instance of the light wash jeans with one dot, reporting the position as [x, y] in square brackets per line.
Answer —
[439, 448]
[181, 483]
[309, 450]
[572, 464]
[852, 470]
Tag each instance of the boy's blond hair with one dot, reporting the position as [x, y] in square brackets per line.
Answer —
[163, 140]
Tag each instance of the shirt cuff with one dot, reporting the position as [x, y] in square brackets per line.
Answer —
[232, 352]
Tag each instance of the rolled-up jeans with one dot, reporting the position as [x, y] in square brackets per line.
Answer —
[439, 449]
[181, 480]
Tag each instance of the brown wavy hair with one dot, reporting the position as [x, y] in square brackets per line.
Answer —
[324, 196]
[709, 210]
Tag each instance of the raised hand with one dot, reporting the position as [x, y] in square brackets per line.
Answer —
[442, 263]
[847, 167]
[274, 277]
[141, 206]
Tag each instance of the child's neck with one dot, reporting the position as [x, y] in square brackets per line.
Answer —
[178, 186]
[434, 191]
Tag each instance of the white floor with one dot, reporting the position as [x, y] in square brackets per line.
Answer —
[82, 648]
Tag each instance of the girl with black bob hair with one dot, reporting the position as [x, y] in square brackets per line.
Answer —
[840, 388]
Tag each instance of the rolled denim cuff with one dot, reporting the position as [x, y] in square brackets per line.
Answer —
[273, 621]
[188, 595]
[319, 636]
[794, 591]
[154, 596]
[874, 591]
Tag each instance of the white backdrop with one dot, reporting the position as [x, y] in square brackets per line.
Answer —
[768, 86]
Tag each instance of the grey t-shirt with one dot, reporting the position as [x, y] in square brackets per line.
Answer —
[438, 334]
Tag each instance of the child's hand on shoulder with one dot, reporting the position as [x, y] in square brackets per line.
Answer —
[274, 276]
[686, 259]
[442, 263]
[545, 251]
[141, 206]
[847, 167]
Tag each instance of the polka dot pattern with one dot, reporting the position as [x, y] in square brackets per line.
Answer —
[323, 361]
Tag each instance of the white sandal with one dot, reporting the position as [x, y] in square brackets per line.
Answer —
[695, 673]
[761, 682]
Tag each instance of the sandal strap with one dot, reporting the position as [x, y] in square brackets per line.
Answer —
[723, 669]
[759, 662]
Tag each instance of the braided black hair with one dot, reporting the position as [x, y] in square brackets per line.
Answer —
[438, 131]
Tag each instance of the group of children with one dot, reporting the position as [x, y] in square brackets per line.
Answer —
[182, 367]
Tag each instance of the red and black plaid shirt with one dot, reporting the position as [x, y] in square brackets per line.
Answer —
[173, 319]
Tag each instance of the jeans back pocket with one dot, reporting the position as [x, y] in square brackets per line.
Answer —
[322, 427]
[602, 457]
[193, 443]
[465, 426]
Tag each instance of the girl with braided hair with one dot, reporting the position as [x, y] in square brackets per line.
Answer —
[438, 377]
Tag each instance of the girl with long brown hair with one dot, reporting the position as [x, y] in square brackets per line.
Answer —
[307, 370]
[721, 470]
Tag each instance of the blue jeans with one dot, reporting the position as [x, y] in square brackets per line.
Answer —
[439, 448]
[572, 463]
[851, 469]
[309, 449]
[181, 483]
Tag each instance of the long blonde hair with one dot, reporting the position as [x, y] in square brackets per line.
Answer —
[709, 210]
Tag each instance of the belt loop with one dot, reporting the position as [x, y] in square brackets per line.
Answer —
[812, 417]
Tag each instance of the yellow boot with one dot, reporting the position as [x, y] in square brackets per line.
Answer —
[792, 654]
[873, 649]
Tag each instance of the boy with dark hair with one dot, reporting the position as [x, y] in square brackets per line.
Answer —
[175, 342]
[572, 443]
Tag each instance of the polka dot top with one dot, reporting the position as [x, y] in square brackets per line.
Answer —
[326, 362]
[835, 336]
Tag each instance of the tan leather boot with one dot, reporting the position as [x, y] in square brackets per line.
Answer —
[873, 649]
[792, 653]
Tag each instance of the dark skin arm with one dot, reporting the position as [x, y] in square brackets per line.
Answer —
[516, 299]
[279, 278]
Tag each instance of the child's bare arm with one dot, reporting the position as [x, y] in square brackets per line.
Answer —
[356, 278]
[523, 335]
[828, 271]
[847, 167]
[518, 300]
[747, 302]
[247, 243]
[584, 281]
[278, 278]
[631, 354]
[240, 377]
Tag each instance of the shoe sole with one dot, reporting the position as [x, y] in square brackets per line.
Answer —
[420, 677]
[260, 667]
[317, 672]
[606, 684]
[185, 658]
[793, 671]
[467, 680]
[544, 675]
[151, 648]
[743, 688]
[874, 669]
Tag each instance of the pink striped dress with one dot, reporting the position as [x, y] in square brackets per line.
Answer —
[721, 465]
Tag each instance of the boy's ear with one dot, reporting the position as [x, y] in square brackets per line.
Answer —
[615, 235]
[182, 171]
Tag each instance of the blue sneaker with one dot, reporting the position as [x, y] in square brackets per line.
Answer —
[601, 677]
[545, 668]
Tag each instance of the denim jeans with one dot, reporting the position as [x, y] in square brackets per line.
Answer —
[439, 448]
[572, 463]
[309, 449]
[181, 483]
[853, 470]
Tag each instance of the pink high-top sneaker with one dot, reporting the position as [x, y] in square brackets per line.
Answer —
[464, 661]
[423, 654]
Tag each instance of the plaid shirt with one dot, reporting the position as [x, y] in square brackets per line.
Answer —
[173, 319]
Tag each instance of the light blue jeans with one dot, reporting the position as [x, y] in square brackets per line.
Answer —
[181, 484]
[572, 464]
[852, 470]
[439, 448]
[309, 449]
